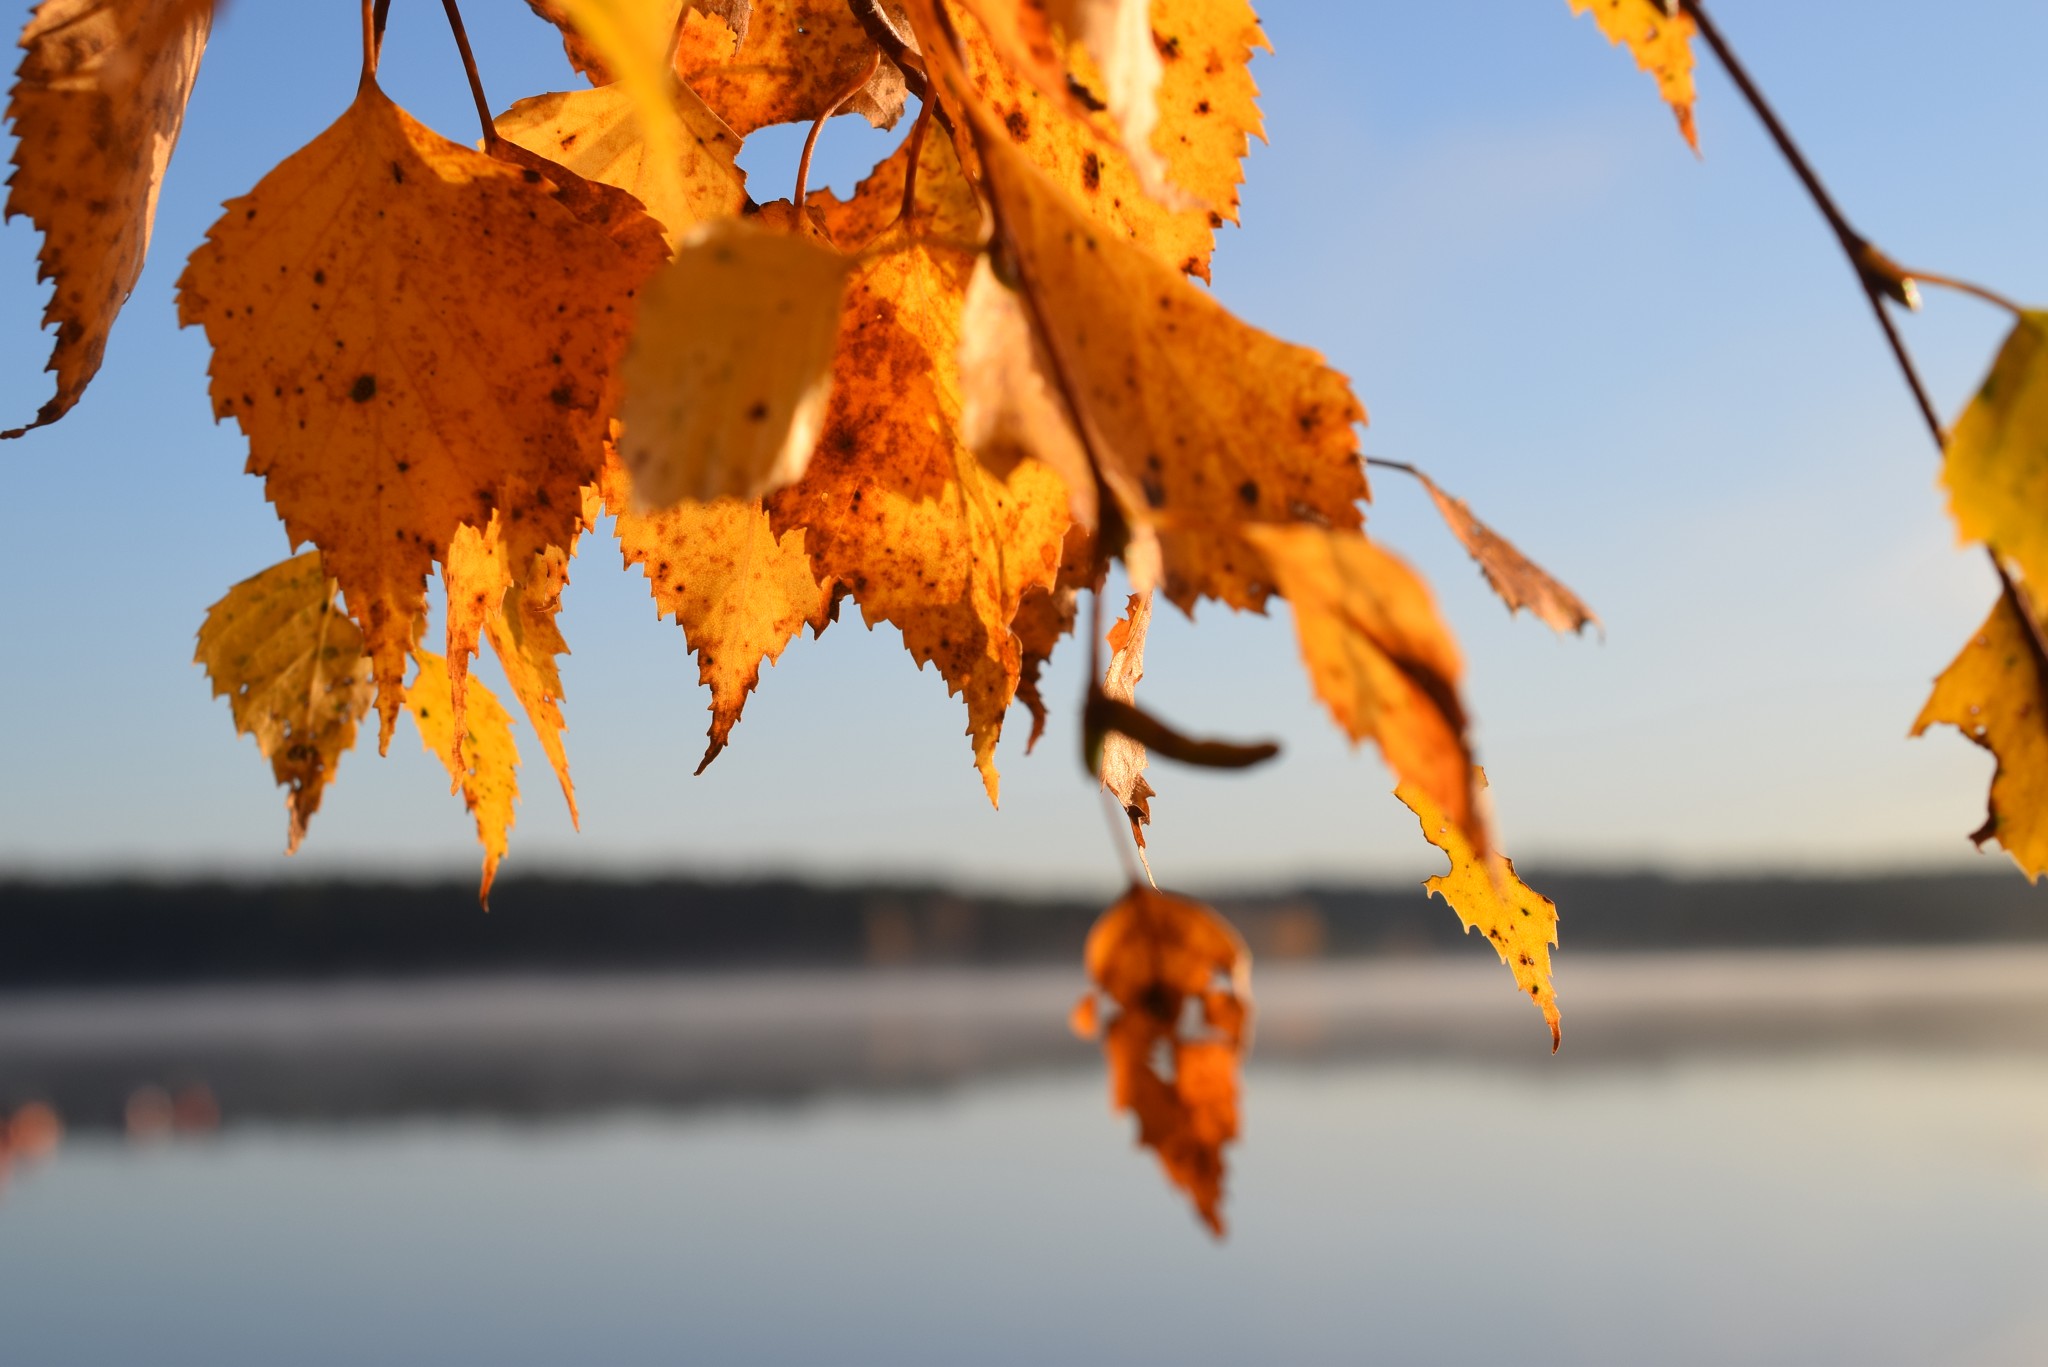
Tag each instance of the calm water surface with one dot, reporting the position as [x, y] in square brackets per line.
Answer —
[1790, 1197]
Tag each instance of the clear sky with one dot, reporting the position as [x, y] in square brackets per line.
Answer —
[1652, 372]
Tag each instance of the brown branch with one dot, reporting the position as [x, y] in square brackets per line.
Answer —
[476, 83]
[803, 165]
[1880, 277]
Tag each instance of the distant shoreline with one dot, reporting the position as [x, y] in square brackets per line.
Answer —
[64, 934]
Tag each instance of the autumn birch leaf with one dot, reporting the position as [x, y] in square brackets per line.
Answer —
[1491, 898]
[947, 207]
[793, 60]
[414, 336]
[1202, 424]
[1123, 759]
[1083, 156]
[739, 592]
[1520, 581]
[730, 365]
[921, 533]
[486, 771]
[292, 668]
[1994, 693]
[601, 135]
[1151, 954]
[1208, 102]
[642, 26]
[1126, 70]
[1380, 658]
[1996, 460]
[96, 107]
[1661, 43]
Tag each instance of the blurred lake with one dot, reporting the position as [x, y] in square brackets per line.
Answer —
[1767, 1158]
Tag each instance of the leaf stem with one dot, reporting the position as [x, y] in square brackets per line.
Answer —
[379, 16]
[373, 34]
[917, 136]
[880, 31]
[803, 165]
[1877, 274]
[1949, 282]
[476, 83]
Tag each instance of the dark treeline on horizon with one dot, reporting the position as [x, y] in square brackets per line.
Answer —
[77, 933]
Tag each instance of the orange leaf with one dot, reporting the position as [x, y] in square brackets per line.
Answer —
[1661, 44]
[740, 593]
[1380, 658]
[96, 108]
[1152, 955]
[1046, 615]
[416, 336]
[792, 59]
[1520, 581]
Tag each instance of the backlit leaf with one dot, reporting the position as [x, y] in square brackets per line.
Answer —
[414, 336]
[1380, 658]
[730, 365]
[1152, 955]
[292, 668]
[1996, 462]
[486, 770]
[1661, 44]
[1520, 581]
[1491, 898]
[793, 58]
[1123, 759]
[96, 107]
[1995, 693]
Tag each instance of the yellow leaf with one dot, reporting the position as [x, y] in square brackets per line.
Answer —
[1152, 954]
[1996, 462]
[730, 365]
[740, 593]
[292, 668]
[601, 135]
[486, 771]
[1010, 407]
[1661, 44]
[1208, 102]
[1123, 759]
[946, 208]
[1045, 616]
[1126, 71]
[1380, 658]
[1490, 898]
[641, 27]
[517, 612]
[899, 511]
[1201, 423]
[415, 336]
[96, 109]
[1993, 692]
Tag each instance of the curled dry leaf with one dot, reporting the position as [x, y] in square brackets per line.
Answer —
[1491, 898]
[739, 592]
[730, 365]
[1520, 581]
[292, 668]
[1380, 658]
[415, 336]
[1661, 43]
[899, 511]
[1154, 956]
[602, 135]
[1996, 460]
[1123, 759]
[96, 107]
[485, 771]
[1995, 693]
[1202, 424]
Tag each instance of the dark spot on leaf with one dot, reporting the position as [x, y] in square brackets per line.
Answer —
[1019, 126]
[364, 389]
[1249, 492]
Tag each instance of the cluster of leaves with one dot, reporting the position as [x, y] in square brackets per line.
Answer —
[956, 397]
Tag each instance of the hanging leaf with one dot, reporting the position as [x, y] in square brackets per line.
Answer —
[485, 770]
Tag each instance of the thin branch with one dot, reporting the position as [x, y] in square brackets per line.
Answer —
[1879, 276]
[476, 83]
[803, 166]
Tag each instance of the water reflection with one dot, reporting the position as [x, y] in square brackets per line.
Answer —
[1767, 1160]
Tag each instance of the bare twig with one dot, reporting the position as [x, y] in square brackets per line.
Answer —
[1880, 277]
[476, 83]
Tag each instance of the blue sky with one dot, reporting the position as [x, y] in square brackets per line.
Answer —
[1651, 371]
